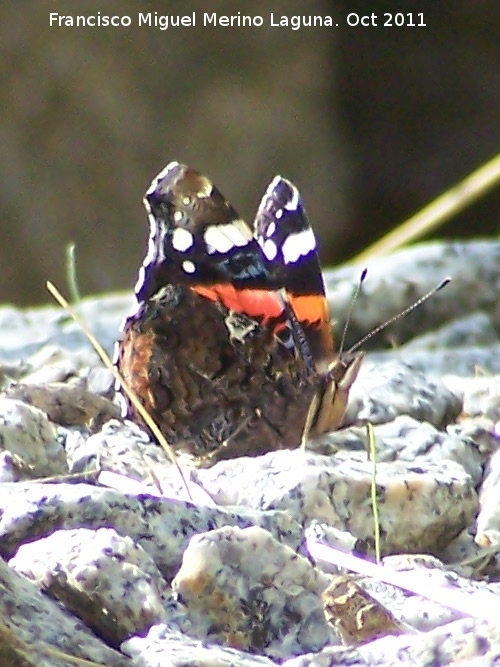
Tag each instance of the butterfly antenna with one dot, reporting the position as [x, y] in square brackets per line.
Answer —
[351, 308]
[403, 313]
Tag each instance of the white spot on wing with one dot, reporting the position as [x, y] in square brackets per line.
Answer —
[182, 240]
[279, 214]
[178, 215]
[271, 229]
[188, 266]
[239, 232]
[270, 249]
[298, 245]
[223, 238]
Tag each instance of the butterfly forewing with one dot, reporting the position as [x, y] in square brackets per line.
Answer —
[196, 237]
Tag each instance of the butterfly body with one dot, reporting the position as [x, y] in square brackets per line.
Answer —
[230, 349]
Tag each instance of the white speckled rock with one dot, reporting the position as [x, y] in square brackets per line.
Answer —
[101, 577]
[30, 332]
[384, 391]
[407, 439]
[165, 647]
[421, 507]
[43, 626]
[341, 540]
[68, 403]
[471, 330]
[27, 435]
[124, 449]
[460, 361]
[416, 611]
[481, 432]
[245, 590]
[55, 364]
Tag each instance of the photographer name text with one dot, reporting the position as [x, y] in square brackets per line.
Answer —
[238, 20]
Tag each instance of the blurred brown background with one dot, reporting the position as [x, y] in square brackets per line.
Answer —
[371, 123]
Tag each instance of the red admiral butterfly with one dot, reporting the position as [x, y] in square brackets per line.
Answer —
[231, 349]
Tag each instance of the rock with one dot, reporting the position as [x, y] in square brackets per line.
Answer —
[488, 519]
[355, 615]
[104, 579]
[28, 443]
[164, 646]
[407, 439]
[244, 590]
[454, 643]
[481, 396]
[67, 404]
[384, 391]
[34, 626]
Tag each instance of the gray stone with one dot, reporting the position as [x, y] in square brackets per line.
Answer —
[101, 577]
[48, 632]
[384, 391]
[242, 588]
[488, 519]
[167, 647]
[28, 443]
[454, 643]
[410, 440]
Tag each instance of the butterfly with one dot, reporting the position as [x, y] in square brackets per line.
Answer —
[230, 348]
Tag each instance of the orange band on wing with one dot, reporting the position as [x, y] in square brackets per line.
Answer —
[252, 302]
[313, 311]
[312, 308]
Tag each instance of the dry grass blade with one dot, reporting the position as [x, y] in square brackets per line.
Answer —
[113, 370]
[450, 203]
